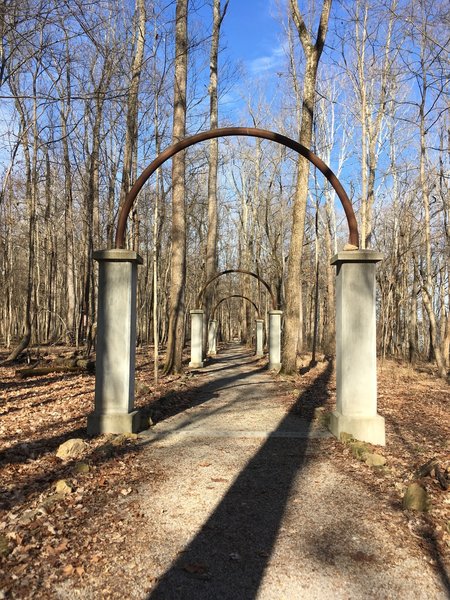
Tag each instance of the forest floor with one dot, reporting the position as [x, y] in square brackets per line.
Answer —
[149, 516]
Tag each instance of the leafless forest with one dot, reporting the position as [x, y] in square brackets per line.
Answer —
[92, 91]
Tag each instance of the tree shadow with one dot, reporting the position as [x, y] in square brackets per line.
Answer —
[9, 385]
[22, 452]
[229, 555]
[178, 401]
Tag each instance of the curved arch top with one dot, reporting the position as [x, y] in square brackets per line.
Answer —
[236, 131]
[265, 284]
[213, 312]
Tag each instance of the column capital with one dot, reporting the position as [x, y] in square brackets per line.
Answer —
[275, 312]
[357, 256]
[117, 255]
[197, 311]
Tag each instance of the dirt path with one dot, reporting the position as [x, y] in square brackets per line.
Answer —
[252, 506]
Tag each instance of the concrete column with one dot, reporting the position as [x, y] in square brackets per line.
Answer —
[356, 360]
[196, 339]
[212, 335]
[275, 339]
[259, 337]
[205, 338]
[116, 343]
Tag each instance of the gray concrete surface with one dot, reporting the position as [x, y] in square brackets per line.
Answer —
[356, 358]
[196, 338]
[259, 337]
[212, 337]
[116, 343]
[275, 339]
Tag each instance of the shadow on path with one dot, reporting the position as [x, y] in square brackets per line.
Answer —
[229, 555]
[178, 401]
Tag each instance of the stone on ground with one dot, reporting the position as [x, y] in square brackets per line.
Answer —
[73, 448]
[415, 498]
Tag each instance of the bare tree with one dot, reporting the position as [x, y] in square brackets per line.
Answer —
[313, 52]
[131, 133]
[175, 341]
[211, 242]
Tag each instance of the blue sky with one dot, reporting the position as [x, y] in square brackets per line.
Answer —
[251, 34]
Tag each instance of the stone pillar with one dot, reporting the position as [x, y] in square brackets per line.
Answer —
[275, 339]
[212, 335]
[356, 360]
[116, 343]
[259, 337]
[205, 338]
[196, 339]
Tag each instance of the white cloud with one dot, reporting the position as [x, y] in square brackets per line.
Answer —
[269, 62]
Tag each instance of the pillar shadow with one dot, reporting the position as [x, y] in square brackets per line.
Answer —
[229, 555]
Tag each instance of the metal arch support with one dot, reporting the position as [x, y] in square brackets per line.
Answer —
[235, 296]
[202, 291]
[237, 131]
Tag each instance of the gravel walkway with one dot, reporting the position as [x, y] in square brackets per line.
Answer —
[253, 507]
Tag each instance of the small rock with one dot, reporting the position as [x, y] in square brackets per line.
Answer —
[359, 450]
[123, 438]
[415, 498]
[141, 388]
[27, 517]
[71, 449]
[374, 459]
[49, 502]
[4, 545]
[81, 467]
[63, 487]
[345, 437]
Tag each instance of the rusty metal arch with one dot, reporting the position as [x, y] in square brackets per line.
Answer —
[236, 131]
[213, 312]
[202, 291]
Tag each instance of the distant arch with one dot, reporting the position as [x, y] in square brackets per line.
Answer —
[235, 296]
[237, 131]
[202, 291]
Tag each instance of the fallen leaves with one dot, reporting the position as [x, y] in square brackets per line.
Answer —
[48, 537]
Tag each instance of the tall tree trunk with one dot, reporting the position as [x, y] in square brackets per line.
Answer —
[211, 241]
[30, 198]
[175, 340]
[133, 96]
[293, 286]
[71, 336]
[427, 282]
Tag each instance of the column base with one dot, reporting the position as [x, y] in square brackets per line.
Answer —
[365, 429]
[259, 354]
[214, 353]
[113, 423]
[274, 366]
[195, 365]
